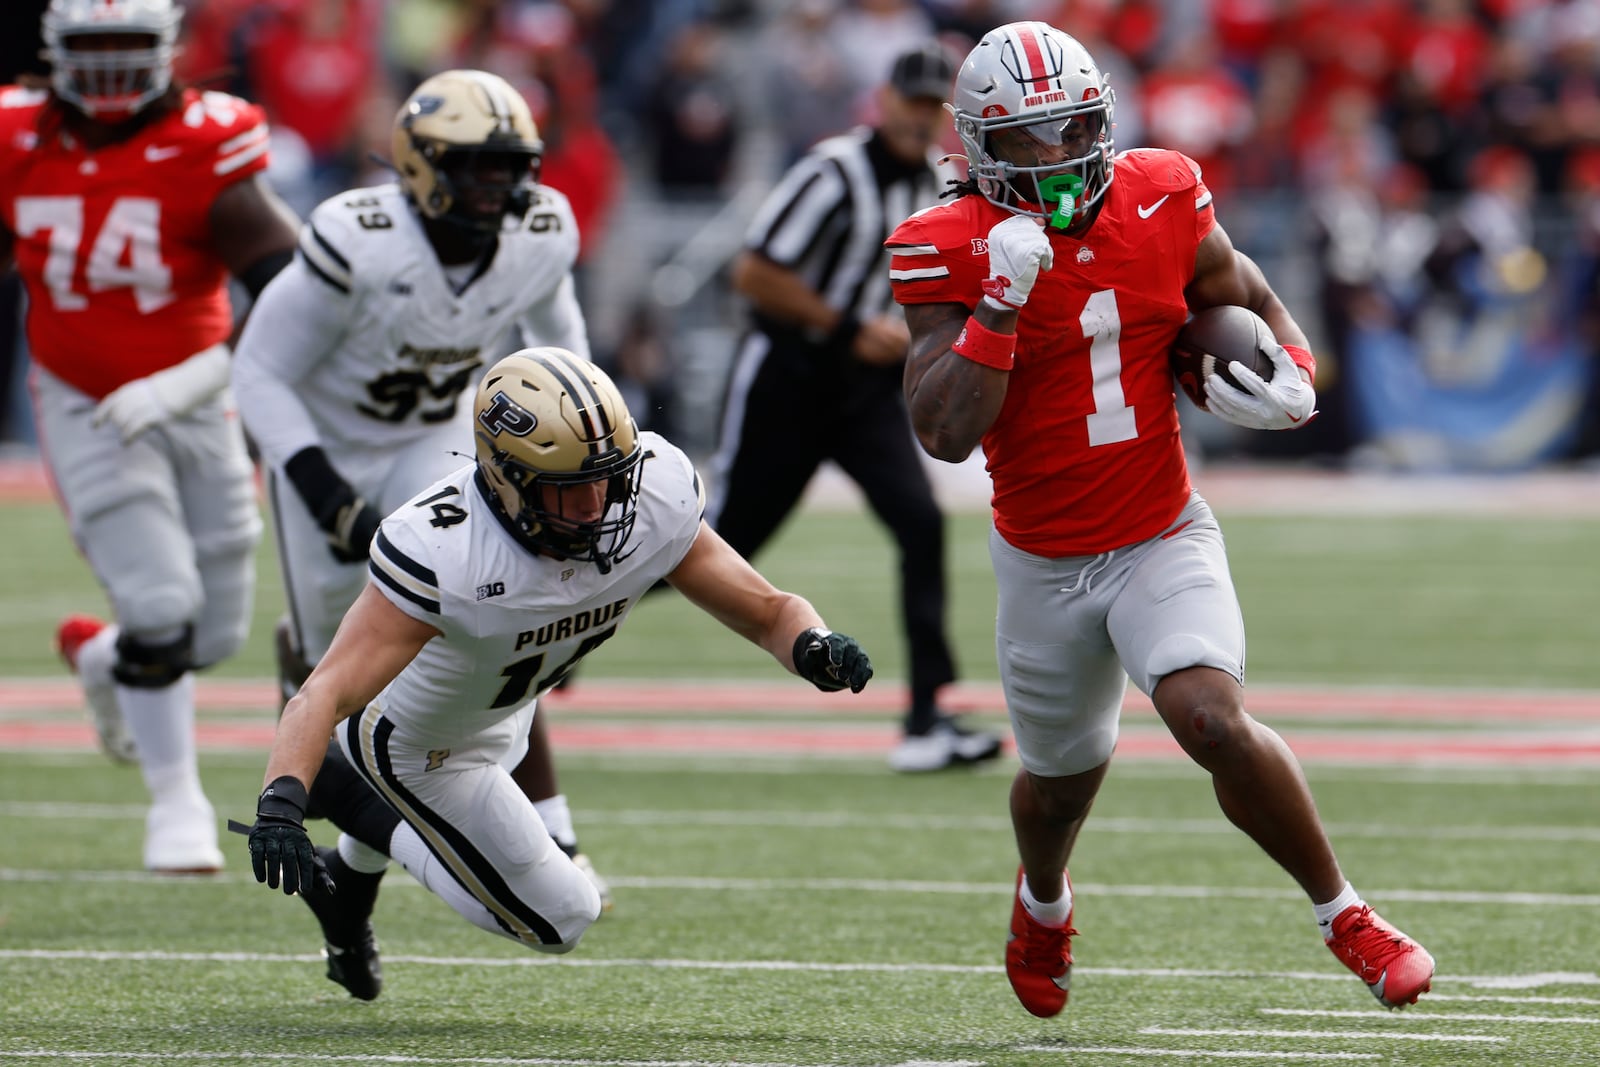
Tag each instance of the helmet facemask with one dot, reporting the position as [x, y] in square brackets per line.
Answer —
[110, 60]
[481, 187]
[541, 500]
[1022, 169]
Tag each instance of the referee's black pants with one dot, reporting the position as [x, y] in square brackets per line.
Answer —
[790, 405]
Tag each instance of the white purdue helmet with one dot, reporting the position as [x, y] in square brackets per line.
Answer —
[116, 83]
[1032, 75]
[546, 418]
[448, 126]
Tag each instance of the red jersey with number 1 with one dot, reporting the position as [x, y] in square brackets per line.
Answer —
[1084, 455]
[114, 244]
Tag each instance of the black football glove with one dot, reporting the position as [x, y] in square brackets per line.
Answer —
[280, 850]
[342, 514]
[350, 533]
[831, 661]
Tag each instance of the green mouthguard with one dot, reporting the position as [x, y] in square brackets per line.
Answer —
[1062, 190]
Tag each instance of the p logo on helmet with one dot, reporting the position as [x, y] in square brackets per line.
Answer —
[503, 415]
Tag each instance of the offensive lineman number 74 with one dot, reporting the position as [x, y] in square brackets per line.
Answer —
[126, 252]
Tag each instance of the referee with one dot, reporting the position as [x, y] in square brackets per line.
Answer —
[817, 376]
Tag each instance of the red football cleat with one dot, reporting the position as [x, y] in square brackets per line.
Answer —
[1039, 958]
[1396, 969]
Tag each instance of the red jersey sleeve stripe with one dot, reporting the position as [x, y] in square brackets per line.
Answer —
[241, 150]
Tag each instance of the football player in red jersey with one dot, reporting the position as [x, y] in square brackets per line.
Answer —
[1042, 304]
[125, 203]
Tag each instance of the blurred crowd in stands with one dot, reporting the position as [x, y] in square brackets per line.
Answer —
[1433, 166]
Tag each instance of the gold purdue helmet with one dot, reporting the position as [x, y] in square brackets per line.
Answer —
[546, 421]
[467, 149]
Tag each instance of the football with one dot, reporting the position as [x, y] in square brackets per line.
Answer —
[1213, 339]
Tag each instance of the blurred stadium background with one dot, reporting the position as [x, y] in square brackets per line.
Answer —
[1420, 178]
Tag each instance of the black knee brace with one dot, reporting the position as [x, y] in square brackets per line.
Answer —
[146, 666]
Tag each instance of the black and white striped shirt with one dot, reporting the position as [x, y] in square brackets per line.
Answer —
[828, 217]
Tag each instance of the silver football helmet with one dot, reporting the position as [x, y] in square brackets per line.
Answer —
[546, 422]
[1034, 79]
[110, 83]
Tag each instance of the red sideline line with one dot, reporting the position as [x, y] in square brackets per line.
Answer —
[783, 697]
[1570, 750]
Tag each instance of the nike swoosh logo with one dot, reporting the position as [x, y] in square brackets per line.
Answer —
[155, 154]
[1146, 212]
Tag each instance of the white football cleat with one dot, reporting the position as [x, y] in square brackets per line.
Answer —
[99, 690]
[586, 865]
[181, 838]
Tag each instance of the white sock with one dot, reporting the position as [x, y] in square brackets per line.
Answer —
[1052, 913]
[557, 819]
[409, 852]
[1326, 913]
[161, 722]
[363, 859]
[96, 657]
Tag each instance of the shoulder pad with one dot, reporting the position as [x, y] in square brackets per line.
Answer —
[400, 565]
[19, 118]
[22, 98]
[233, 132]
[942, 228]
[346, 230]
[1161, 169]
[551, 213]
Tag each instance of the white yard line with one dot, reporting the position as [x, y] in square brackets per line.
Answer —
[1322, 1035]
[822, 820]
[1437, 998]
[873, 885]
[1196, 1053]
[778, 966]
[497, 1061]
[1418, 1017]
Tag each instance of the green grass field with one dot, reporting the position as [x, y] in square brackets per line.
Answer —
[808, 911]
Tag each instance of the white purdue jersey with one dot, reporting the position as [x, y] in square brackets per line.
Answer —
[512, 621]
[373, 338]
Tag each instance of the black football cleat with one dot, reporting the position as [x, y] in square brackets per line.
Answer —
[346, 920]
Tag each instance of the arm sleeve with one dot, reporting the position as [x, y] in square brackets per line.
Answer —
[557, 320]
[297, 321]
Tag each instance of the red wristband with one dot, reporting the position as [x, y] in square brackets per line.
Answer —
[983, 345]
[1303, 359]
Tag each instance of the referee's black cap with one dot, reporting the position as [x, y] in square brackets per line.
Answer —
[925, 71]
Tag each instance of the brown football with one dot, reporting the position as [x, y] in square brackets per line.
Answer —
[1213, 339]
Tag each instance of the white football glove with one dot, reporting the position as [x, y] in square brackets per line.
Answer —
[1018, 250]
[1283, 403]
[176, 390]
